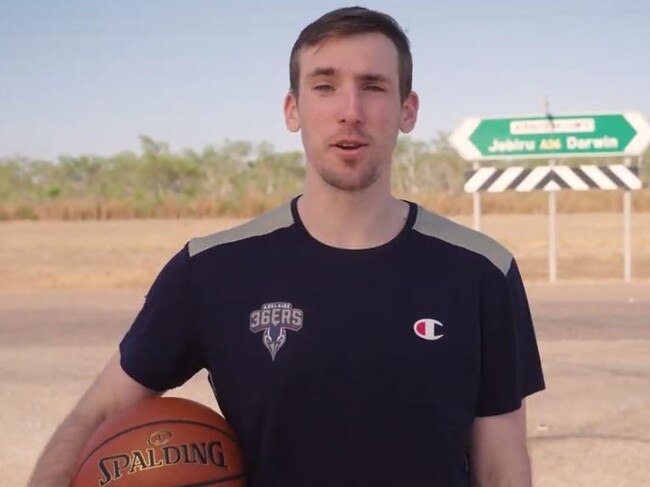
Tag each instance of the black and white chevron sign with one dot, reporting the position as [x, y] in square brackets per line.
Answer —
[547, 178]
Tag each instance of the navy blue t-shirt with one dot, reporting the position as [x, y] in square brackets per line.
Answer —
[338, 366]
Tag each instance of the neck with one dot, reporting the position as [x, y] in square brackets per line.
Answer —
[352, 219]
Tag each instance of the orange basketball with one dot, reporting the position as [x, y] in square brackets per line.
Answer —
[162, 442]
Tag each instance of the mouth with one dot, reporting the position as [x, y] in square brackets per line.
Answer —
[350, 145]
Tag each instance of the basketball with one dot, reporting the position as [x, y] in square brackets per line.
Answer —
[162, 442]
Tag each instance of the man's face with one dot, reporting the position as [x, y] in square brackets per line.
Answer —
[348, 109]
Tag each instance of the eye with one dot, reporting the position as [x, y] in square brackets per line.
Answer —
[375, 88]
[324, 88]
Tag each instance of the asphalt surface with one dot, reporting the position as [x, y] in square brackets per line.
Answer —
[591, 427]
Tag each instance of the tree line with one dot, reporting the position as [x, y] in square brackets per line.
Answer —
[238, 178]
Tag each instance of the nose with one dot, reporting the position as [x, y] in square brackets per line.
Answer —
[351, 109]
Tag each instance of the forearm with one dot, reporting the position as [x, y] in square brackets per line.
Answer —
[515, 473]
[499, 452]
[111, 392]
[55, 467]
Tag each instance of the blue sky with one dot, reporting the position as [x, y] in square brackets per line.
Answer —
[89, 76]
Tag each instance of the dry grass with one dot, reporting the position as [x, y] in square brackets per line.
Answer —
[92, 254]
[535, 202]
[253, 204]
[129, 253]
[589, 246]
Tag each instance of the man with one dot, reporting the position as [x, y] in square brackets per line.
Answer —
[351, 338]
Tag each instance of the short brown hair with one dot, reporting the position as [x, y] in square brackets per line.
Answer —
[351, 21]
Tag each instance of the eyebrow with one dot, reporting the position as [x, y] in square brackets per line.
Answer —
[372, 77]
[314, 73]
[366, 77]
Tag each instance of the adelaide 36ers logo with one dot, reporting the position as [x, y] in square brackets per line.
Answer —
[274, 319]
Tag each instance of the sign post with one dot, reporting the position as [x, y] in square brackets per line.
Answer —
[553, 137]
[627, 231]
[476, 200]
[552, 227]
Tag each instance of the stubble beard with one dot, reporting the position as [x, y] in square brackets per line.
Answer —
[351, 183]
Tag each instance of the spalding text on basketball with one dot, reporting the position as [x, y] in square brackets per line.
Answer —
[115, 466]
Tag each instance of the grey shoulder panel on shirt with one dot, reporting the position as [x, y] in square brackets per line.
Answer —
[280, 217]
[440, 227]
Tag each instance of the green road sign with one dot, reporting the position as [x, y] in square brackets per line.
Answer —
[552, 137]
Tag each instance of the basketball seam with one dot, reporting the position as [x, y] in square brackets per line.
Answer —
[144, 425]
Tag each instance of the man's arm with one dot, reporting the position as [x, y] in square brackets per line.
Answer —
[112, 391]
[498, 454]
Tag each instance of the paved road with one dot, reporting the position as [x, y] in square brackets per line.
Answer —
[590, 428]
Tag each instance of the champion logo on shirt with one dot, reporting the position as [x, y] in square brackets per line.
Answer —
[428, 329]
[274, 319]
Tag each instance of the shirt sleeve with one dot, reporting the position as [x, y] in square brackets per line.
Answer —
[161, 349]
[510, 363]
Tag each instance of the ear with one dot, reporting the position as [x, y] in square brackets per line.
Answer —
[409, 112]
[291, 117]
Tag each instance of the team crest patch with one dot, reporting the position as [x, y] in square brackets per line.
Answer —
[274, 319]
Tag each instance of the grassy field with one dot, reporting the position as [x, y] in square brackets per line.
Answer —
[534, 202]
[129, 253]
